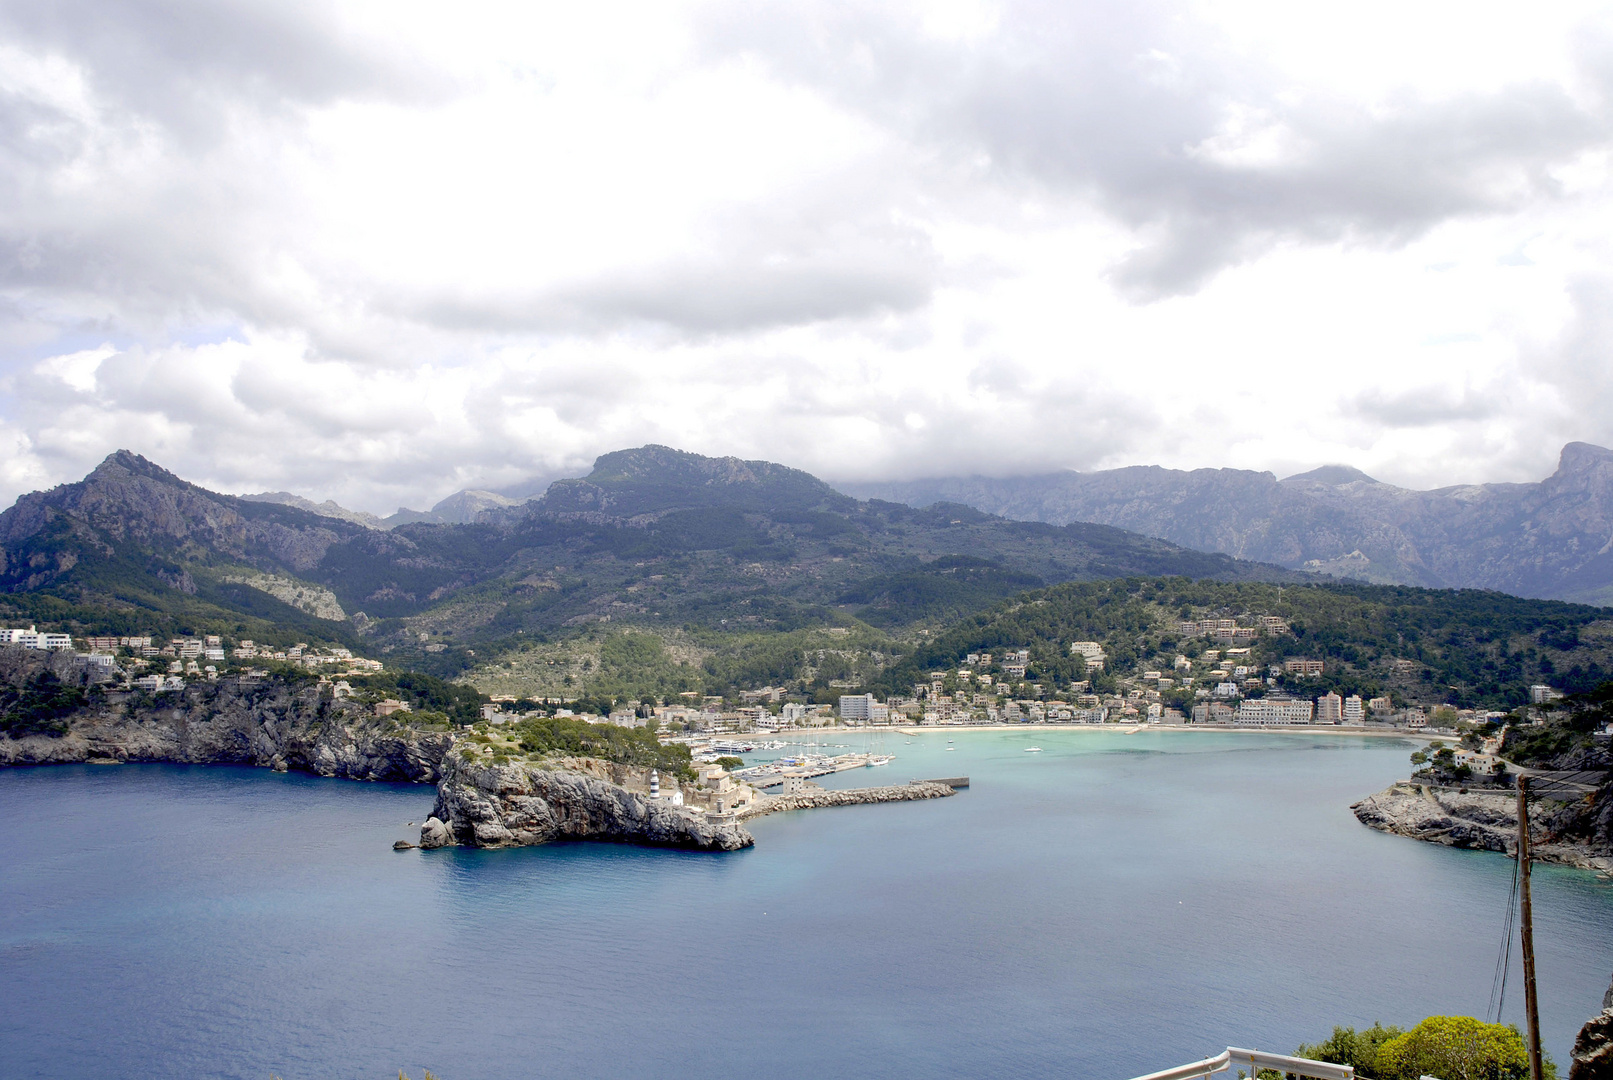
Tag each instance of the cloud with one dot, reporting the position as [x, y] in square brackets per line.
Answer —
[380, 251]
[1211, 156]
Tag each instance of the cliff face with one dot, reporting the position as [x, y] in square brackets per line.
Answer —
[275, 726]
[266, 724]
[1574, 833]
[494, 806]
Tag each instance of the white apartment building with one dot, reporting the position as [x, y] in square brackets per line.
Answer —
[33, 639]
[856, 707]
[1090, 651]
[1274, 711]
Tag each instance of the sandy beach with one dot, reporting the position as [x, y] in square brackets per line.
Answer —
[1128, 729]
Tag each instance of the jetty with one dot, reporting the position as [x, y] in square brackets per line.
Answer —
[813, 799]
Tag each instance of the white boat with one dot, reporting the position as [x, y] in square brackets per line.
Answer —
[951, 748]
[1033, 749]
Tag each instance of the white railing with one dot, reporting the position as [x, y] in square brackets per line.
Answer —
[1253, 1061]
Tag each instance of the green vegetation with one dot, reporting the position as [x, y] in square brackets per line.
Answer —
[1467, 647]
[1569, 729]
[38, 706]
[1348, 1047]
[1449, 1047]
[611, 742]
[425, 694]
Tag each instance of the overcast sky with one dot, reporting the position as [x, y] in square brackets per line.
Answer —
[380, 251]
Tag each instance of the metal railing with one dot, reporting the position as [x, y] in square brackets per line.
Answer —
[1254, 1061]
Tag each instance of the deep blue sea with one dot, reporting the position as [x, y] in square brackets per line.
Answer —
[1114, 905]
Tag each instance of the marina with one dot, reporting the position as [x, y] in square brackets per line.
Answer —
[808, 767]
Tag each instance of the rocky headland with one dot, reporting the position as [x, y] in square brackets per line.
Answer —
[1574, 833]
[488, 805]
[276, 724]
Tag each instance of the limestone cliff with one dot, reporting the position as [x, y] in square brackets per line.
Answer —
[493, 806]
[1593, 1048]
[264, 723]
[1571, 833]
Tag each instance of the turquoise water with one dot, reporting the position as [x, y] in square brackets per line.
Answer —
[1114, 905]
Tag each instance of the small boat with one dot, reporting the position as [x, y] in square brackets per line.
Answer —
[1033, 749]
[951, 748]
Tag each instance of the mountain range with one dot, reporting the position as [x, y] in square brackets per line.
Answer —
[1552, 539]
[651, 535]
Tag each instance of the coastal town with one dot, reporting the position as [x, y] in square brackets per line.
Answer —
[1222, 674]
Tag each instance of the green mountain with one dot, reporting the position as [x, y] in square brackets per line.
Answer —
[652, 535]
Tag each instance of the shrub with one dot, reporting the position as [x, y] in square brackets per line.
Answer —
[1449, 1047]
[1349, 1047]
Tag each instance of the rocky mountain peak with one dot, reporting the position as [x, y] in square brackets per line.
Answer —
[1332, 475]
[662, 464]
[1580, 458]
[123, 464]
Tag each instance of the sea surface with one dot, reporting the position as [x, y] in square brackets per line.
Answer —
[1114, 905]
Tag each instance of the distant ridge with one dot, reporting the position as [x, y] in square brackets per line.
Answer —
[1552, 539]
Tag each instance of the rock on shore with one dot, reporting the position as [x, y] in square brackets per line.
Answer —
[495, 806]
[1593, 1047]
[1488, 821]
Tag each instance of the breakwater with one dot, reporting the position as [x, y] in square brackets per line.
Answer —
[812, 800]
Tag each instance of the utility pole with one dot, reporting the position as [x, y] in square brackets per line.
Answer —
[1526, 911]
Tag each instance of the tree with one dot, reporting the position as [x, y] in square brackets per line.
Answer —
[1349, 1047]
[1456, 1048]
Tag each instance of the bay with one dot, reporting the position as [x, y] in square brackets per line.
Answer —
[1113, 905]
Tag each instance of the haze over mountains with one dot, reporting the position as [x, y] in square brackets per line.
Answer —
[1552, 539]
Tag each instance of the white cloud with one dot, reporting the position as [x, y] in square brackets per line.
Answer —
[378, 252]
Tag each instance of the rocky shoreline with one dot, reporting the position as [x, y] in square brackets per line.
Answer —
[276, 725]
[1569, 833]
[515, 805]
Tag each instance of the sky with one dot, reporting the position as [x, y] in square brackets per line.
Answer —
[381, 251]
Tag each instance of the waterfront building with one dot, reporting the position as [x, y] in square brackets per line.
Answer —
[1330, 708]
[1481, 763]
[1353, 711]
[1274, 710]
[856, 707]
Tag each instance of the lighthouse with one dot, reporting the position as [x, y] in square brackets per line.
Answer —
[655, 784]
